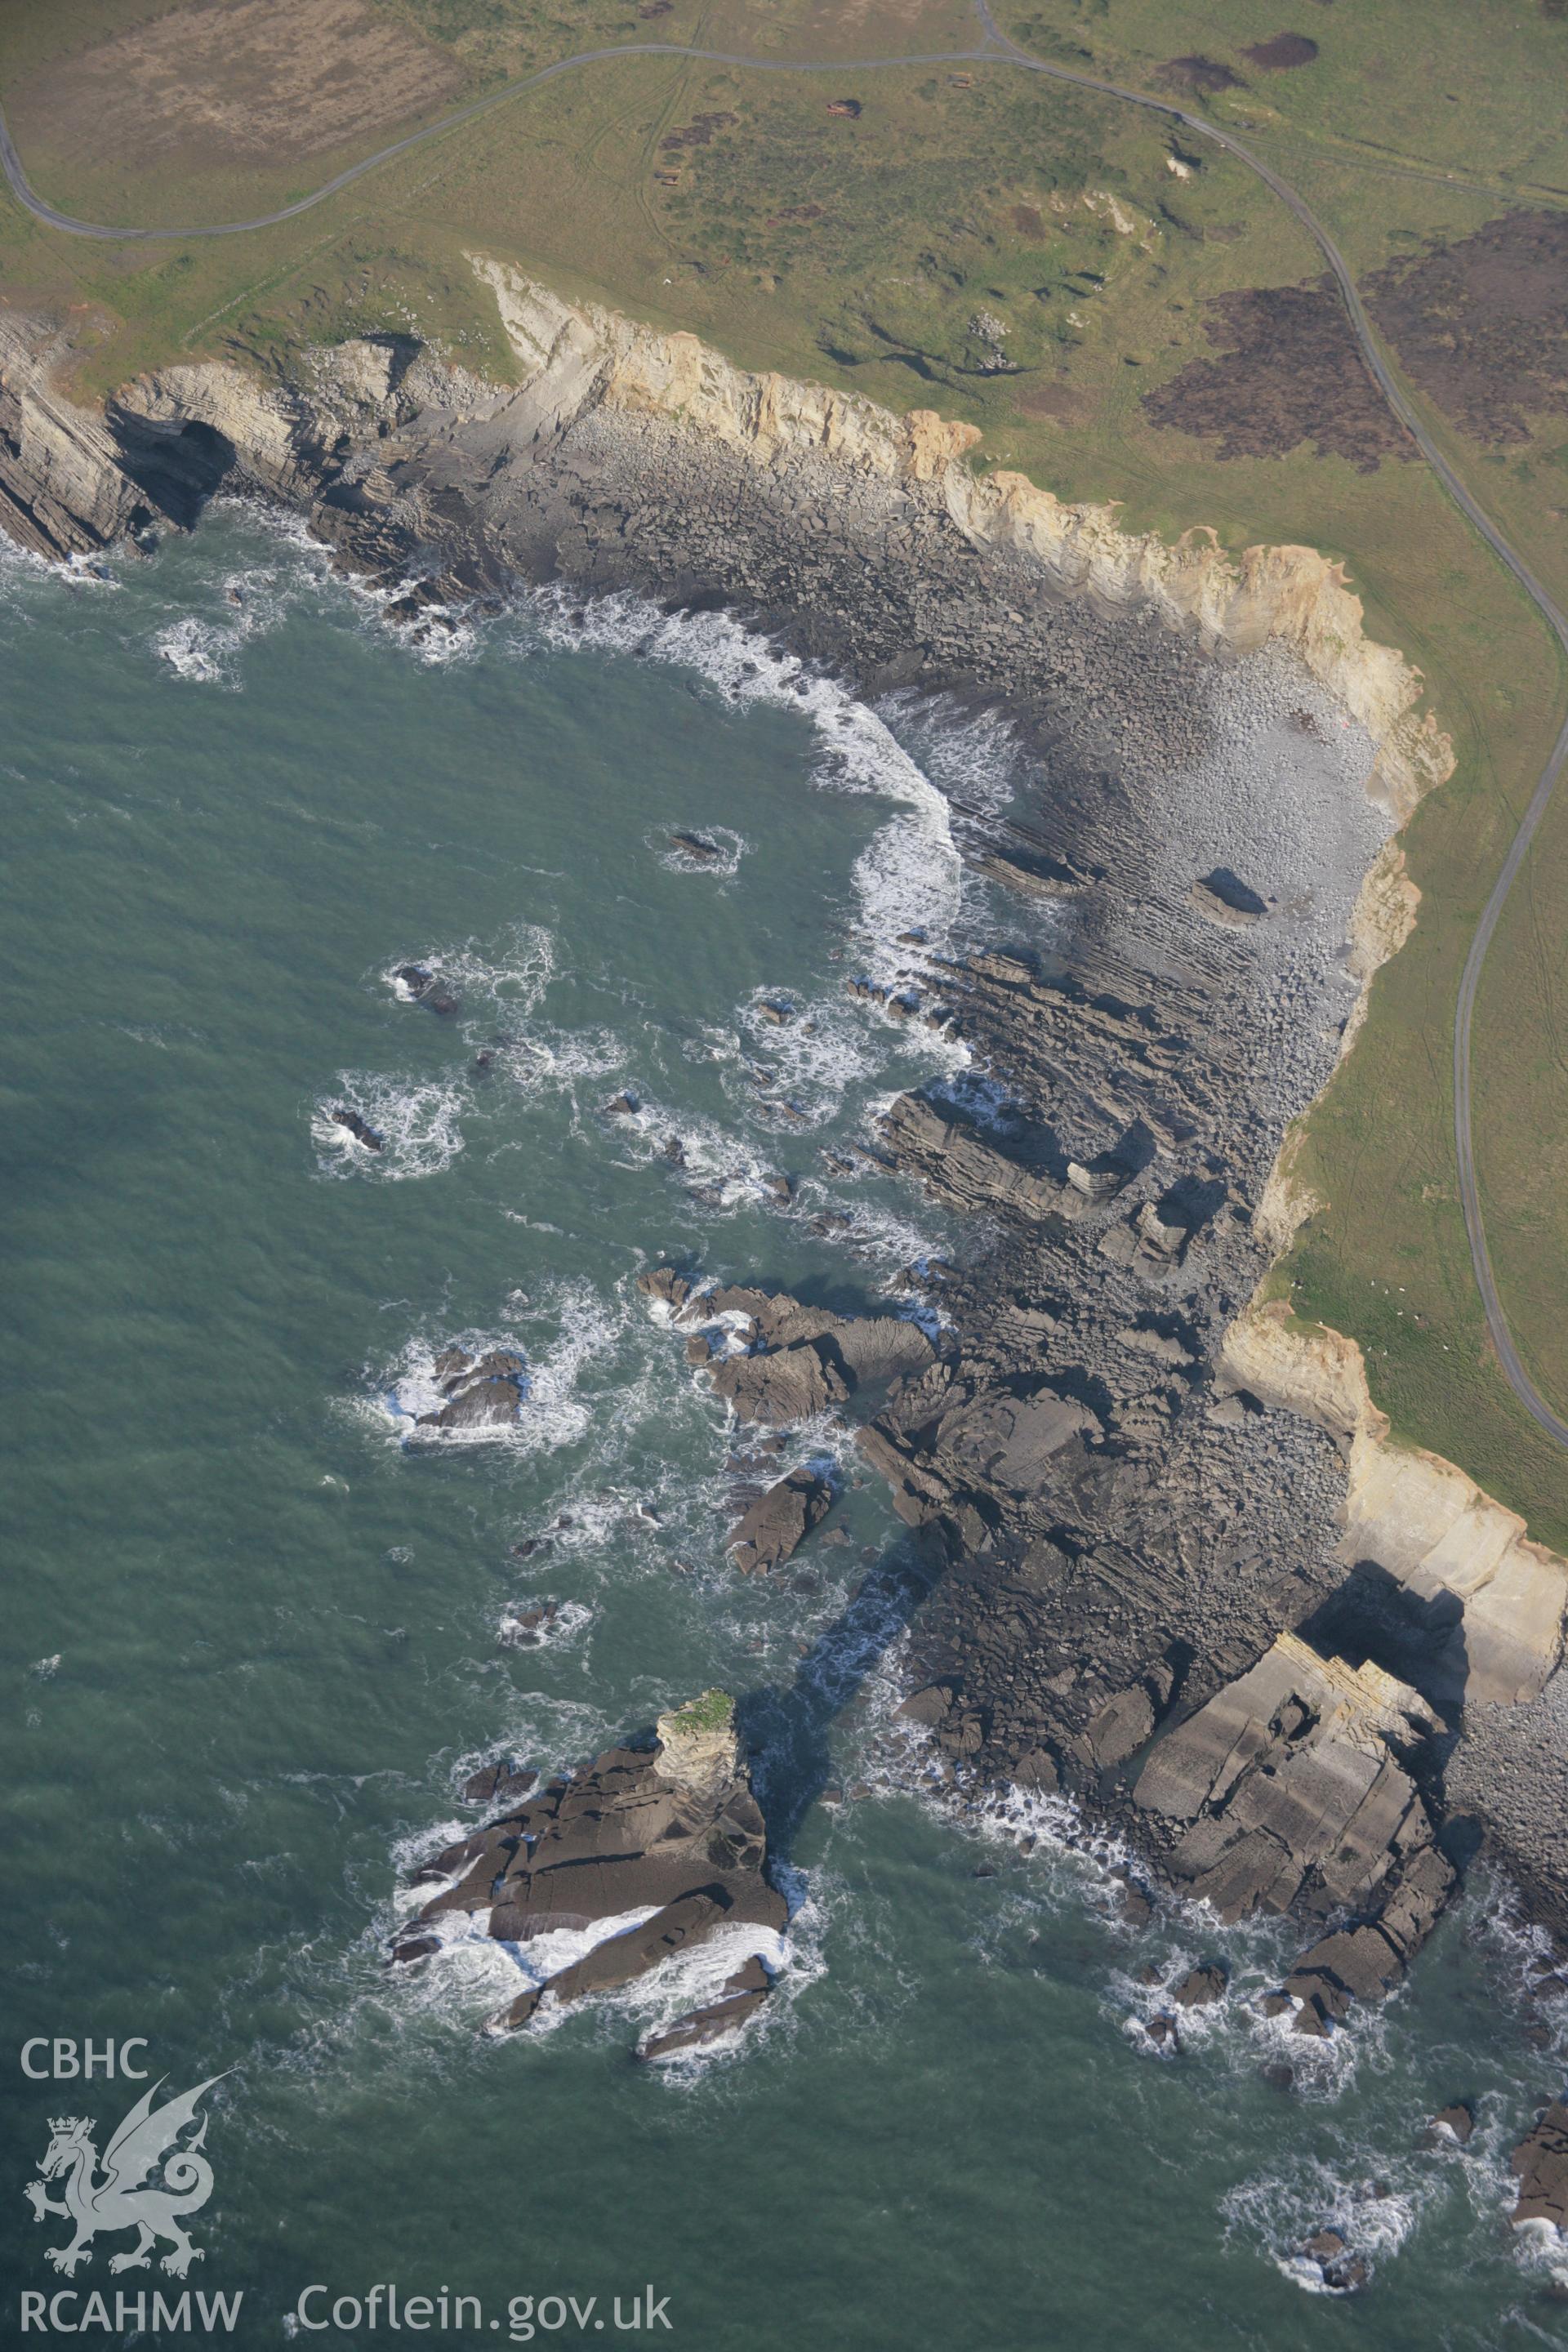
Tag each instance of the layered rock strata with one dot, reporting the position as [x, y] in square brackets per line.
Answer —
[673, 1832]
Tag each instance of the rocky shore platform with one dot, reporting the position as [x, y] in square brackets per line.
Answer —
[1183, 1583]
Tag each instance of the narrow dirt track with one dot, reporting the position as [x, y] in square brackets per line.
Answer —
[998, 48]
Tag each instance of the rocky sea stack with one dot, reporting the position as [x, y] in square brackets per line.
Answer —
[670, 1831]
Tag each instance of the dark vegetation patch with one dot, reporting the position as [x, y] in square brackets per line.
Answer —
[1289, 372]
[698, 132]
[1204, 76]
[1285, 50]
[1482, 325]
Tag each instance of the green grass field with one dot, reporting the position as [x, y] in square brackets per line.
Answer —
[861, 252]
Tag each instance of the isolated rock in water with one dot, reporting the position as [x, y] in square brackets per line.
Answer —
[779, 1522]
[1540, 2163]
[482, 1394]
[1133, 1902]
[352, 1124]
[1201, 1986]
[411, 1949]
[697, 845]
[673, 1828]
[741, 1997]
[427, 988]
[1456, 2119]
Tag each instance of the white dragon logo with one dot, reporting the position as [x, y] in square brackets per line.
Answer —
[121, 2200]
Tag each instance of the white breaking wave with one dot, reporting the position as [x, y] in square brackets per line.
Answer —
[1373, 2211]
[550, 1412]
[910, 877]
[201, 652]
[503, 983]
[537, 1622]
[417, 1125]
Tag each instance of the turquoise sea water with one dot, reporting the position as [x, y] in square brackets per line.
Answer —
[256, 1638]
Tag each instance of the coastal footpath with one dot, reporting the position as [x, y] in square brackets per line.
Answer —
[1187, 1578]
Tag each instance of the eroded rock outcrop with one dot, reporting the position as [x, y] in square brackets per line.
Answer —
[671, 1831]
[777, 1361]
[1540, 2165]
[477, 1392]
[1291, 1790]
[776, 1525]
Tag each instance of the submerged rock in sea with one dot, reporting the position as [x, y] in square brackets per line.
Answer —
[674, 1828]
[1201, 1986]
[421, 986]
[740, 1997]
[499, 1783]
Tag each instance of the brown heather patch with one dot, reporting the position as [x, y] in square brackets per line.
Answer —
[1482, 325]
[1284, 51]
[1290, 373]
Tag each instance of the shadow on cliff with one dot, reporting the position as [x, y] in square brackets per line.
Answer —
[1372, 1616]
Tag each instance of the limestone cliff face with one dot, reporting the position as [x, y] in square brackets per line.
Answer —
[571, 355]
[573, 360]
[1415, 1515]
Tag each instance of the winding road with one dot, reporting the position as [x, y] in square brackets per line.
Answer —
[999, 48]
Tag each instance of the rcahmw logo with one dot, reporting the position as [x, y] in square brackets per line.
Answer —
[151, 2179]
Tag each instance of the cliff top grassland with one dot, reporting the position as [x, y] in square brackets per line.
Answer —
[1123, 313]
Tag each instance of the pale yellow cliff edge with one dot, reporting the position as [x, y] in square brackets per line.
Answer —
[1418, 1517]
[570, 354]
